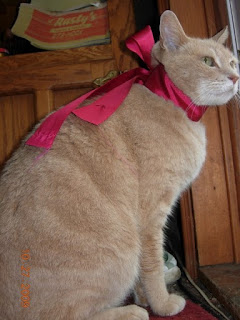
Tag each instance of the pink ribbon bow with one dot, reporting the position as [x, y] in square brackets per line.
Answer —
[115, 91]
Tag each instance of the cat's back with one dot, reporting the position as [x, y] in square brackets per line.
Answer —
[73, 179]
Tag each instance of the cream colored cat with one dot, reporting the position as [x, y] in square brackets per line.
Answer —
[84, 222]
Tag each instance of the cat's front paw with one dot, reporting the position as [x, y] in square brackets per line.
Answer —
[172, 306]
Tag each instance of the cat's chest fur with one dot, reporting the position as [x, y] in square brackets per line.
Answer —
[166, 144]
[155, 146]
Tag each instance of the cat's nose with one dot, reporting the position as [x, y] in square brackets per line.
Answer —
[234, 78]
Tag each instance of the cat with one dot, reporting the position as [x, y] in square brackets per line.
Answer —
[84, 222]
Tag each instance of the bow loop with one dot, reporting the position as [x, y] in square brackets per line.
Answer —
[141, 43]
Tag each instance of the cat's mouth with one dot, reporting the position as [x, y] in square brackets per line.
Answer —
[227, 89]
[227, 94]
[233, 89]
[216, 94]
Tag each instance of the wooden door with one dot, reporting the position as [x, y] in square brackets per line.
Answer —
[32, 85]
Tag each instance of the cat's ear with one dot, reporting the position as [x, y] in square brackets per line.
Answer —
[221, 36]
[172, 35]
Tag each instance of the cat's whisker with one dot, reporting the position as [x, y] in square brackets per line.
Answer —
[193, 111]
[235, 100]
[195, 103]
[228, 105]
[237, 97]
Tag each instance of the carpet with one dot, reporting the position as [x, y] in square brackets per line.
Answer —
[192, 311]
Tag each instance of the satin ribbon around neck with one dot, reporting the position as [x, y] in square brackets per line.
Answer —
[115, 91]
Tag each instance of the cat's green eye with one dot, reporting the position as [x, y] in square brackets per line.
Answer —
[209, 61]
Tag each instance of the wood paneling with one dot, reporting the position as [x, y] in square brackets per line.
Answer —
[62, 97]
[43, 103]
[191, 15]
[17, 116]
[60, 76]
[163, 5]
[231, 184]
[122, 24]
[234, 125]
[210, 200]
[26, 62]
[188, 231]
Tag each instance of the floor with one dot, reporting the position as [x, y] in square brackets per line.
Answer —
[187, 290]
[224, 282]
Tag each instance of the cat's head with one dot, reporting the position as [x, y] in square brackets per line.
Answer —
[204, 69]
